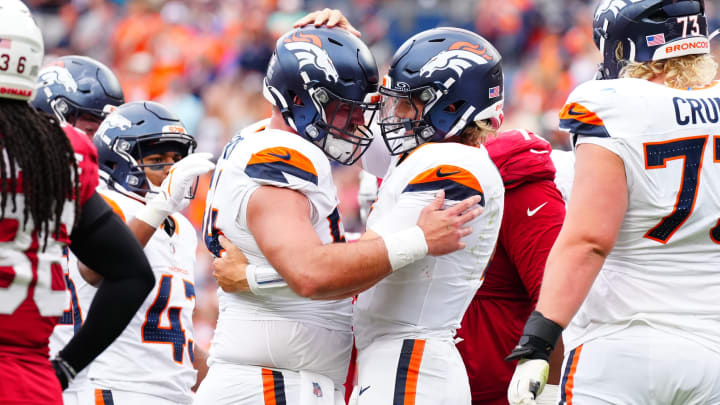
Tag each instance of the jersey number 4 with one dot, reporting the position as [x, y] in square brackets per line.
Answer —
[691, 151]
[174, 335]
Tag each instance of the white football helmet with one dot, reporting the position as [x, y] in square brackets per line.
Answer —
[21, 50]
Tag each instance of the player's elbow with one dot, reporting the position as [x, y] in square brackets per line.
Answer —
[306, 285]
[598, 245]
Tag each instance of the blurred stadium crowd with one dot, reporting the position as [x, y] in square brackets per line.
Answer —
[205, 60]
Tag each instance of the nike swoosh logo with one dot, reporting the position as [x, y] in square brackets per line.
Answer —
[533, 212]
[539, 152]
[572, 111]
[440, 173]
[363, 390]
[286, 156]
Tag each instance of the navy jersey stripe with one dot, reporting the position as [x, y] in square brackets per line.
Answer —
[274, 171]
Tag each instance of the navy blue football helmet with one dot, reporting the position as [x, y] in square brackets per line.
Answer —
[77, 88]
[648, 30]
[136, 130]
[320, 79]
[440, 81]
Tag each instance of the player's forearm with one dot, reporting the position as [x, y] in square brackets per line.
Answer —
[569, 274]
[339, 270]
[142, 231]
[200, 357]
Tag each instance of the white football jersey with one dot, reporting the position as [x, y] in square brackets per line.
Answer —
[154, 353]
[79, 300]
[665, 266]
[257, 157]
[428, 298]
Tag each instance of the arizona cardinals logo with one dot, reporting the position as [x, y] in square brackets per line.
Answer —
[57, 74]
[459, 57]
[612, 5]
[307, 49]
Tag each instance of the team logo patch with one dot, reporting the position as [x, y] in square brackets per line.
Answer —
[308, 50]
[57, 74]
[459, 57]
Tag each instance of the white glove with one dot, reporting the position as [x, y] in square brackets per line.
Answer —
[171, 196]
[528, 381]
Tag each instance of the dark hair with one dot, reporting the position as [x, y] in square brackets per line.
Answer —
[35, 142]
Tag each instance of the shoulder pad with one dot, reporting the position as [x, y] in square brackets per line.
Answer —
[275, 163]
[457, 182]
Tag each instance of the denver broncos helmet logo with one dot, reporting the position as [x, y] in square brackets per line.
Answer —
[308, 50]
[459, 57]
[57, 74]
[612, 5]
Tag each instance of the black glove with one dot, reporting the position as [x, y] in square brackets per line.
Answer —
[64, 372]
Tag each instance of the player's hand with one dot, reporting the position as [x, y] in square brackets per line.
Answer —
[171, 197]
[329, 18]
[229, 269]
[528, 381]
[443, 229]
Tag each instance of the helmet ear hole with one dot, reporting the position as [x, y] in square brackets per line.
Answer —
[296, 99]
[455, 107]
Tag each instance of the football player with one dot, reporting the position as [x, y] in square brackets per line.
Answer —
[49, 202]
[633, 277]
[147, 172]
[272, 195]
[533, 215]
[433, 122]
[78, 91]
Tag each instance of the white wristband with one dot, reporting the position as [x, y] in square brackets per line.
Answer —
[151, 216]
[405, 247]
[265, 280]
[550, 395]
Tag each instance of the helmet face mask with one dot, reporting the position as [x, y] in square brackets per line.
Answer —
[440, 81]
[319, 79]
[647, 30]
[342, 131]
[402, 121]
[133, 132]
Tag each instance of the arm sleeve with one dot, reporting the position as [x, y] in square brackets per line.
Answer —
[103, 242]
[527, 239]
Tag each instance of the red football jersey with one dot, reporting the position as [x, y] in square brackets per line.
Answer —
[32, 290]
[533, 215]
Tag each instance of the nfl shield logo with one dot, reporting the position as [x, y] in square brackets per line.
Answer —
[317, 391]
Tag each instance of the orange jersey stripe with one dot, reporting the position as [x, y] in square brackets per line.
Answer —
[413, 372]
[115, 207]
[578, 112]
[268, 387]
[448, 172]
[99, 399]
[285, 155]
[571, 376]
